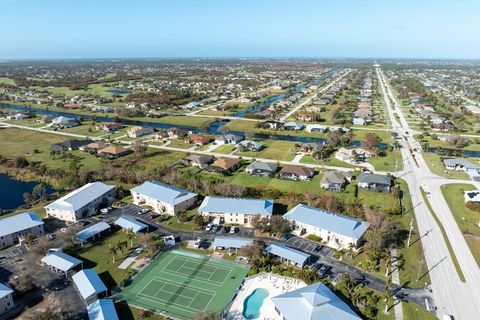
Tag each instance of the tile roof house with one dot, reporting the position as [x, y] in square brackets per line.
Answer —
[15, 228]
[374, 182]
[295, 173]
[263, 169]
[199, 140]
[312, 302]
[226, 164]
[93, 147]
[113, 152]
[235, 210]
[109, 126]
[82, 202]
[338, 230]
[163, 198]
[335, 180]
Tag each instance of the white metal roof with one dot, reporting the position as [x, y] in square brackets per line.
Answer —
[5, 290]
[230, 242]
[88, 283]
[19, 222]
[81, 197]
[128, 222]
[102, 309]
[92, 231]
[61, 261]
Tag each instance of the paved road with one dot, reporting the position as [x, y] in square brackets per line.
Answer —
[304, 102]
[451, 296]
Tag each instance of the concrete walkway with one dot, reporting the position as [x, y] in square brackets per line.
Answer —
[297, 158]
[127, 262]
[397, 307]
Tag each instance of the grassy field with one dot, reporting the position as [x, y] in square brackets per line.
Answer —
[225, 149]
[388, 162]
[442, 144]
[445, 237]
[126, 312]
[179, 144]
[96, 255]
[412, 312]
[182, 284]
[7, 80]
[276, 150]
[467, 220]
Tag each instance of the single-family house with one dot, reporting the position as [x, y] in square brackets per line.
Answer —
[226, 164]
[229, 139]
[199, 161]
[235, 210]
[93, 147]
[15, 228]
[296, 173]
[177, 133]
[354, 155]
[374, 182]
[163, 198]
[317, 128]
[114, 151]
[18, 116]
[338, 230]
[335, 180]
[249, 145]
[64, 122]
[263, 169]
[293, 126]
[83, 202]
[472, 196]
[199, 140]
[138, 131]
[312, 147]
[109, 127]
[70, 145]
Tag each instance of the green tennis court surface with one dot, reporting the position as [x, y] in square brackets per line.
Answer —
[181, 284]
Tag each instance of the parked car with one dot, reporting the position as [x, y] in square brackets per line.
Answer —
[208, 227]
[323, 271]
[317, 249]
[106, 210]
[287, 236]
[214, 228]
[233, 230]
[143, 211]
[226, 229]
[199, 243]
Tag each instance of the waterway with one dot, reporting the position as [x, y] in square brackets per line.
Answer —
[11, 191]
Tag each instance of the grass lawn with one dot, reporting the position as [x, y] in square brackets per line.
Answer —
[179, 144]
[467, 220]
[412, 311]
[276, 150]
[172, 222]
[443, 144]
[283, 185]
[96, 255]
[225, 149]
[126, 312]
[185, 121]
[387, 163]
[435, 164]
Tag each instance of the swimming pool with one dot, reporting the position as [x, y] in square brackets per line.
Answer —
[253, 303]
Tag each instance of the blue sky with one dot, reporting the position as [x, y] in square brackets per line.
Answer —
[239, 28]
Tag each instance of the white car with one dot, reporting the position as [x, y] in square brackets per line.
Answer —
[106, 210]
[143, 211]
[198, 243]
[233, 230]
[208, 227]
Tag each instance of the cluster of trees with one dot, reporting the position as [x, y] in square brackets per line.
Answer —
[273, 225]
[370, 141]
[457, 141]
[166, 99]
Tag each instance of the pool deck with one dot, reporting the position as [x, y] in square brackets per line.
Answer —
[274, 284]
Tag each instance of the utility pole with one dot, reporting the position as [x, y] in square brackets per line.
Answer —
[410, 233]
[420, 268]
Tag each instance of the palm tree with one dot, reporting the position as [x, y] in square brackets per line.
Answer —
[113, 252]
[130, 236]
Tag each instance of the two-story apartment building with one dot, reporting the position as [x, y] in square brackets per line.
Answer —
[163, 198]
[15, 228]
[235, 210]
[82, 202]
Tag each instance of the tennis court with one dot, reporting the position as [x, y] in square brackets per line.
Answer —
[181, 284]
